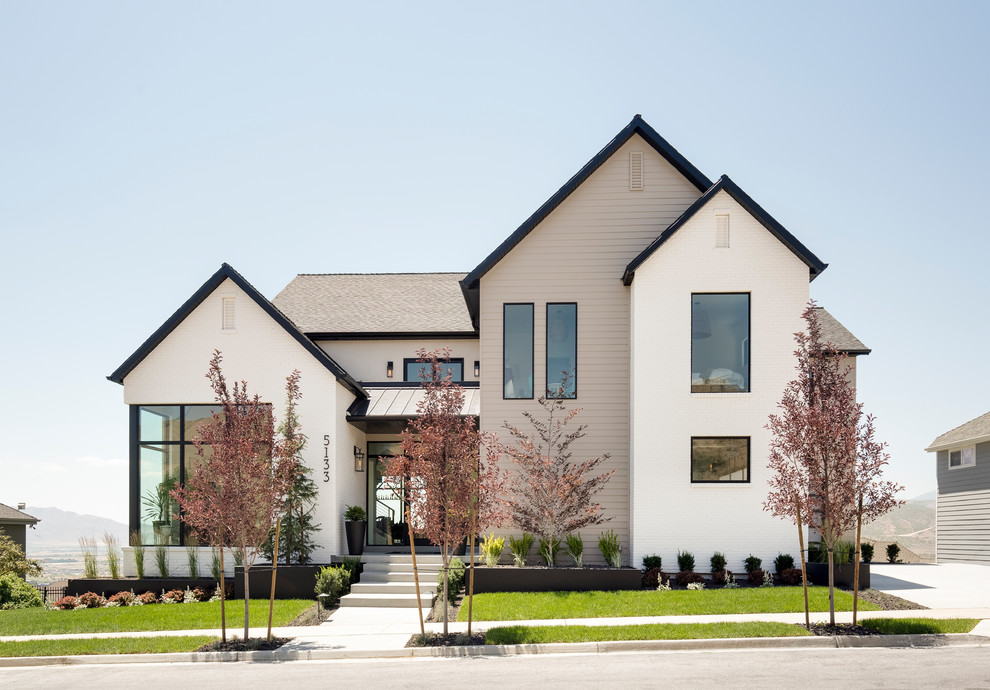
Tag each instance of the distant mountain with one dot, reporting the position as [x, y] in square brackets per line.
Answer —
[62, 529]
[927, 496]
[911, 525]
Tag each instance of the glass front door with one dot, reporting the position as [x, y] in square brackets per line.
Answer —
[386, 507]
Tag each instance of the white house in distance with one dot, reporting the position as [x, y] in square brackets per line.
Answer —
[671, 300]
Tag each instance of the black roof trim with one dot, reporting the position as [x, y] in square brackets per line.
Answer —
[394, 335]
[225, 272]
[815, 265]
[636, 126]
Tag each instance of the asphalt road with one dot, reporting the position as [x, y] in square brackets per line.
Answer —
[955, 667]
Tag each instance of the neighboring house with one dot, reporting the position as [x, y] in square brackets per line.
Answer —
[14, 523]
[670, 300]
[962, 466]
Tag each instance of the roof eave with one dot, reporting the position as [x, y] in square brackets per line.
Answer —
[935, 447]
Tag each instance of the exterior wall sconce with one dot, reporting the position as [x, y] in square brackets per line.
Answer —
[389, 369]
[358, 459]
[477, 368]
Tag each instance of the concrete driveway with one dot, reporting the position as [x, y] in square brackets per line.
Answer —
[937, 586]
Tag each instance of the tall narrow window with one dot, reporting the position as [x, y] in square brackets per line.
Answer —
[719, 343]
[517, 351]
[561, 350]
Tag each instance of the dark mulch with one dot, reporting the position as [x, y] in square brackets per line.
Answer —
[255, 644]
[314, 615]
[887, 602]
[842, 629]
[448, 640]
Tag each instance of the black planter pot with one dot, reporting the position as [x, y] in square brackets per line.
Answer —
[355, 531]
[818, 574]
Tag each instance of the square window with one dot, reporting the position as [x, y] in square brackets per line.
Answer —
[964, 457]
[720, 459]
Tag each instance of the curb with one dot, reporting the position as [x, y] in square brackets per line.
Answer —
[750, 643]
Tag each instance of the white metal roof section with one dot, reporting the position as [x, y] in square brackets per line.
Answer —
[403, 403]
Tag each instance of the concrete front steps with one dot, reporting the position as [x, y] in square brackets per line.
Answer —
[387, 581]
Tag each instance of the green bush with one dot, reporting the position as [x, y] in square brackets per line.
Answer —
[843, 552]
[866, 550]
[753, 564]
[491, 549]
[520, 548]
[817, 553]
[783, 561]
[549, 547]
[718, 561]
[332, 580]
[651, 562]
[15, 593]
[608, 544]
[575, 549]
[893, 551]
[455, 577]
[355, 514]
[353, 568]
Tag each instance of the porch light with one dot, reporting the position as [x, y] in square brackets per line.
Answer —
[388, 370]
[477, 368]
[359, 458]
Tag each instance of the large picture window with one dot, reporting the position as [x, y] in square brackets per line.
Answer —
[561, 350]
[720, 459]
[517, 351]
[414, 369]
[720, 343]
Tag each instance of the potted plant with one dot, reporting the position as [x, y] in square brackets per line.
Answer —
[158, 508]
[355, 526]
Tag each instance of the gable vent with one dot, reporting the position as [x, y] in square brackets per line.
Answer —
[635, 171]
[228, 314]
[722, 230]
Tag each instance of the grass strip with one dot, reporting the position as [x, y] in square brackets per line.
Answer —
[198, 616]
[506, 606]
[115, 645]
[920, 626]
[523, 634]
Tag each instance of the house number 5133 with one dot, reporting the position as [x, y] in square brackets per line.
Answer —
[326, 457]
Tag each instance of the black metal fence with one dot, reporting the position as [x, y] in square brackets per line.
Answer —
[50, 593]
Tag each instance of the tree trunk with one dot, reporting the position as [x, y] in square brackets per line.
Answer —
[471, 577]
[223, 599]
[247, 593]
[412, 547]
[271, 598]
[445, 556]
[859, 536]
[804, 568]
[831, 588]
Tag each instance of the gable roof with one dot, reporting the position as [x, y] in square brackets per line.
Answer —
[815, 265]
[380, 304]
[636, 126]
[839, 336]
[974, 431]
[227, 272]
[12, 515]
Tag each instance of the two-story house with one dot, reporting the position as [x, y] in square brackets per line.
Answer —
[670, 301]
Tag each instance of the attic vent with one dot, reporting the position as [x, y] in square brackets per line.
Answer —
[635, 171]
[228, 314]
[722, 230]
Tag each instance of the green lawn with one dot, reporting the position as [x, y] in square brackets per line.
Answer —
[522, 634]
[920, 626]
[152, 617]
[117, 645]
[512, 606]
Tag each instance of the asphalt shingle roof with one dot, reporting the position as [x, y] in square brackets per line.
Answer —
[376, 303]
[8, 514]
[839, 336]
[970, 431]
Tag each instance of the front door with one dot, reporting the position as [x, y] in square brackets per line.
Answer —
[386, 507]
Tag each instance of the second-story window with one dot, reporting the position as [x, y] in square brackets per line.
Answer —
[561, 350]
[414, 369]
[517, 351]
[720, 343]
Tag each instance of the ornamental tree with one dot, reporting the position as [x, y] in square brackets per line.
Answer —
[550, 495]
[235, 494]
[823, 455]
[13, 561]
[450, 486]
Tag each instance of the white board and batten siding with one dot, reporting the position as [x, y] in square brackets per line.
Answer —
[578, 254]
[963, 523]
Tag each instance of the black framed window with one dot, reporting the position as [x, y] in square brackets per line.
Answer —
[561, 350]
[414, 369]
[517, 351]
[720, 343]
[720, 459]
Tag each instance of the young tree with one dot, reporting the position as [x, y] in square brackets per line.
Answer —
[445, 477]
[551, 496]
[13, 560]
[234, 496]
[823, 455]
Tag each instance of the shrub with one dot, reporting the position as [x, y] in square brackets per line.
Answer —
[843, 552]
[767, 579]
[650, 562]
[161, 558]
[685, 560]
[353, 568]
[455, 577]
[696, 585]
[15, 593]
[215, 565]
[65, 603]
[664, 586]
[686, 577]
[608, 544]
[893, 551]
[783, 561]
[331, 581]
[138, 553]
[653, 577]
[88, 546]
[520, 548]
[173, 596]
[753, 563]
[790, 576]
[575, 549]
[730, 580]
[193, 559]
[355, 514]
[89, 600]
[549, 546]
[148, 598]
[755, 578]
[721, 577]
[817, 552]
[201, 594]
[718, 562]
[113, 554]
[866, 551]
[121, 599]
[491, 549]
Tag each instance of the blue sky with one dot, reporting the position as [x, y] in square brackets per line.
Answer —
[142, 145]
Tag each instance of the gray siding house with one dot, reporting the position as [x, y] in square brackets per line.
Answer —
[963, 508]
[14, 523]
